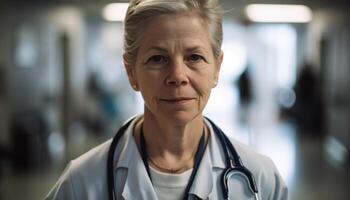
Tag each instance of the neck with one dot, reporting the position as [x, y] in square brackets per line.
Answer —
[170, 146]
[165, 137]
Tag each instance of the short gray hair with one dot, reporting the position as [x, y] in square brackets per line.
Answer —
[140, 11]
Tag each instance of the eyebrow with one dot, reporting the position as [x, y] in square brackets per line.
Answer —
[157, 48]
[191, 49]
[197, 48]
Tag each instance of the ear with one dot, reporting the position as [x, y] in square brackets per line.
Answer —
[217, 68]
[130, 70]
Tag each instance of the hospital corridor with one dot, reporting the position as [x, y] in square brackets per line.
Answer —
[283, 89]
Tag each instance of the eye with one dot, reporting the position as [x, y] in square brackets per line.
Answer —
[195, 58]
[157, 59]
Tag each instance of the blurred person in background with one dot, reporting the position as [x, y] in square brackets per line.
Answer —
[172, 55]
[308, 110]
[245, 94]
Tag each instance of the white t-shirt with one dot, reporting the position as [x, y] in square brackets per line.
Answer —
[170, 186]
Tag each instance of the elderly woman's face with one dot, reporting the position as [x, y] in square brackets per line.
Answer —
[175, 68]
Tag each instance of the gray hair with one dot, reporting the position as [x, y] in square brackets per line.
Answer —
[140, 11]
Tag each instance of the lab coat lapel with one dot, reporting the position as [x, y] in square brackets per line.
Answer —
[216, 151]
[204, 181]
[137, 184]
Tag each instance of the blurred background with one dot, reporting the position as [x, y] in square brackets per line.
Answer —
[284, 89]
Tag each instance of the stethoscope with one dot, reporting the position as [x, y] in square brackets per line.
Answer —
[233, 162]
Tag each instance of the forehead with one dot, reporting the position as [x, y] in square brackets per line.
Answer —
[185, 29]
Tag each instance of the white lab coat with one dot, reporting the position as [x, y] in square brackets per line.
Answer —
[85, 177]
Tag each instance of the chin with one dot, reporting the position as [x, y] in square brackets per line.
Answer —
[182, 118]
[174, 117]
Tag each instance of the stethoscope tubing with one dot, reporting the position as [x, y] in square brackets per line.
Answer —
[233, 161]
[110, 160]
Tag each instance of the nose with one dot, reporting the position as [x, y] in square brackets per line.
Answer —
[177, 75]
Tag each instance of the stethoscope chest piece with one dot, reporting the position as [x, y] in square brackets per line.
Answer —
[239, 183]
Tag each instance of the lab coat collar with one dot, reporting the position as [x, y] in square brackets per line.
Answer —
[138, 185]
[216, 152]
[203, 182]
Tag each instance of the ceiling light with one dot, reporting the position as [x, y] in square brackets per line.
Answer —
[278, 13]
[115, 11]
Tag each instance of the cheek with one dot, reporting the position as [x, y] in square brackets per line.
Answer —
[203, 83]
[146, 79]
[203, 89]
[149, 88]
[150, 100]
[203, 98]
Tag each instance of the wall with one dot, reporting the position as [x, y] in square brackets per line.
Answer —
[329, 50]
[30, 56]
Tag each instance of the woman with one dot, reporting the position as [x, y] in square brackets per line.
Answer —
[173, 57]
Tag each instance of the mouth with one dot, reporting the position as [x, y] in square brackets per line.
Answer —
[177, 99]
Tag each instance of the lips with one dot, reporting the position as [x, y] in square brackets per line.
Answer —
[177, 99]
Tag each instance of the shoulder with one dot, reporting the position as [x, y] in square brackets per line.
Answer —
[83, 175]
[91, 160]
[86, 176]
[260, 165]
[268, 180]
[250, 157]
